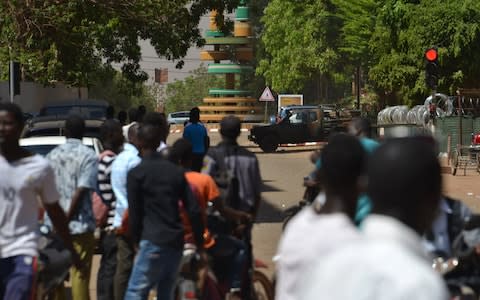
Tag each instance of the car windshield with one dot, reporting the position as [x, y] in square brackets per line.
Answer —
[44, 149]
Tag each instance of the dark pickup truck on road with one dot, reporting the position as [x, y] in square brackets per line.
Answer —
[300, 124]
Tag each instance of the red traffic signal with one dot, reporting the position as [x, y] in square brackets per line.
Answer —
[431, 55]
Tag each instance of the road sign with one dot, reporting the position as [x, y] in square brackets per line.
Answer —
[285, 100]
[267, 95]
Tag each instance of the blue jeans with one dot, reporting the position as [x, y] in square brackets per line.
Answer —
[155, 266]
[16, 277]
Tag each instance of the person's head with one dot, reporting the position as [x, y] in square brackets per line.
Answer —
[110, 112]
[158, 120]
[360, 127]
[122, 117]
[230, 128]
[111, 135]
[181, 153]
[149, 138]
[133, 135]
[133, 115]
[405, 182]
[74, 127]
[343, 170]
[195, 115]
[142, 110]
[11, 123]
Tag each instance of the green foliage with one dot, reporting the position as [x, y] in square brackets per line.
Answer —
[69, 40]
[120, 91]
[298, 42]
[185, 94]
[386, 38]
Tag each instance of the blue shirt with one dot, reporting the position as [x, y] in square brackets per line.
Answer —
[124, 162]
[75, 166]
[196, 134]
[364, 204]
[369, 145]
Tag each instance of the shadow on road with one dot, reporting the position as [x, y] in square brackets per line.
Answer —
[286, 151]
[269, 188]
[268, 213]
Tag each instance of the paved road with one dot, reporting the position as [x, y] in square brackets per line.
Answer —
[282, 173]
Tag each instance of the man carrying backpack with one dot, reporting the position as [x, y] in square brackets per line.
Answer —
[237, 174]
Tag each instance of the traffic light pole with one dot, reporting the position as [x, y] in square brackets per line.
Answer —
[11, 81]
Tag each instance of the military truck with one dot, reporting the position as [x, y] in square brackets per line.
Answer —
[300, 124]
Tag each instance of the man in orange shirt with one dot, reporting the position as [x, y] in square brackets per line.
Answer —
[221, 247]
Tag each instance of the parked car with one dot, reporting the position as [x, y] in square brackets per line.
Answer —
[44, 144]
[89, 109]
[179, 117]
[300, 124]
[52, 126]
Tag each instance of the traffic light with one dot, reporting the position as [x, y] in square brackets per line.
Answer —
[431, 68]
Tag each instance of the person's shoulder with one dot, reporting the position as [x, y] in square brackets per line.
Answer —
[88, 151]
[39, 162]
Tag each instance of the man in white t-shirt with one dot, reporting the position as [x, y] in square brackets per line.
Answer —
[318, 230]
[390, 262]
[25, 178]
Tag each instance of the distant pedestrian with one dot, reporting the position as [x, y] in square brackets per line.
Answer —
[132, 119]
[25, 178]
[330, 217]
[112, 139]
[110, 112]
[75, 167]
[122, 117]
[123, 163]
[155, 187]
[362, 129]
[405, 186]
[196, 133]
[142, 110]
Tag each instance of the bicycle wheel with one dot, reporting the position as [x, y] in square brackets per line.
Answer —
[262, 286]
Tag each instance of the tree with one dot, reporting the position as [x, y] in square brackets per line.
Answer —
[112, 86]
[185, 94]
[405, 29]
[59, 40]
[386, 38]
[299, 41]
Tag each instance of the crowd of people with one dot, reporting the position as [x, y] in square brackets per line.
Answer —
[365, 235]
[148, 199]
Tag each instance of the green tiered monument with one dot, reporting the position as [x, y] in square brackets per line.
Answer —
[238, 51]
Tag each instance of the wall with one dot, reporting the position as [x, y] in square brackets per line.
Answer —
[34, 96]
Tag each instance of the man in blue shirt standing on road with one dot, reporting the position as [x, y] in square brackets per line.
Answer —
[125, 161]
[196, 133]
[361, 128]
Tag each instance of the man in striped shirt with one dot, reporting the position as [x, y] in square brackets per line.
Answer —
[112, 138]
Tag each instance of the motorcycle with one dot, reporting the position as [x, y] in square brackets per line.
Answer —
[461, 272]
[199, 282]
[53, 264]
[312, 188]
